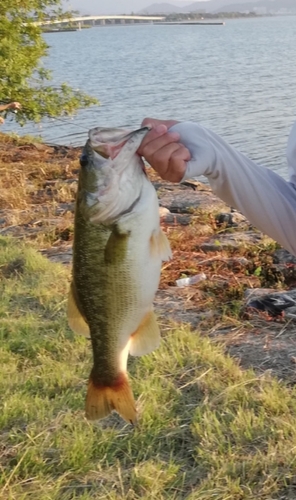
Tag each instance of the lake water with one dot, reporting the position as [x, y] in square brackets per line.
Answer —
[238, 79]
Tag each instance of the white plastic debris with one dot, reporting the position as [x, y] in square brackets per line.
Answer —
[163, 212]
[191, 280]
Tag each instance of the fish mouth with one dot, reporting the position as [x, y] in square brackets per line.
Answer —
[108, 142]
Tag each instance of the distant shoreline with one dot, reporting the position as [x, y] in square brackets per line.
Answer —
[206, 23]
[204, 20]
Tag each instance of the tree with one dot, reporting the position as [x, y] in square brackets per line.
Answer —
[22, 78]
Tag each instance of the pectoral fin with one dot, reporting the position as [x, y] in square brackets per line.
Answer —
[117, 244]
[160, 246]
[76, 321]
[146, 338]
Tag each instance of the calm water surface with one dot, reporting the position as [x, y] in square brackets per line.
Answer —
[238, 79]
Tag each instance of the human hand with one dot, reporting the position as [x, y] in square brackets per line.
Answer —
[1, 120]
[14, 105]
[163, 151]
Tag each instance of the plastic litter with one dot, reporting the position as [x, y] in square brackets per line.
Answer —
[192, 280]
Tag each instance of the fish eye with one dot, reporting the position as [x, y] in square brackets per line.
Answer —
[83, 160]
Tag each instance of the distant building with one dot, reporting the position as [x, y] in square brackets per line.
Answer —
[261, 11]
[286, 11]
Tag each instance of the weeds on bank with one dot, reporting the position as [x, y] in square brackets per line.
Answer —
[230, 271]
[206, 428]
[37, 190]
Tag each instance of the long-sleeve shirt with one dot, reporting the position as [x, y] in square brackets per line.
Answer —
[264, 197]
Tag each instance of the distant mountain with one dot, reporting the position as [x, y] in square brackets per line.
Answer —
[168, 8]
[213, 6]
[271, 6]
[161, 8]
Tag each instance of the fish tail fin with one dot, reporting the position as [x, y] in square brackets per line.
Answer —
[102, 400]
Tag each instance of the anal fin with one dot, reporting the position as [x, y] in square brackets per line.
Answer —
[76, 321]
[102, 400]
[160, 246]
[147, 336]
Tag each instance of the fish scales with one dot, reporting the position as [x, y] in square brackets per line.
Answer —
[103, 295]
[117, 254]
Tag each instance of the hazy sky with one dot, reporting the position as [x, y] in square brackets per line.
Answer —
[117, 6]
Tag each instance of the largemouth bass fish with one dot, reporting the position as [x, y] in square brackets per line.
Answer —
[117, 254]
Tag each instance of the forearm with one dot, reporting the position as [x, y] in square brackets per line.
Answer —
[10, 105]
[265, 198]
[3, 107]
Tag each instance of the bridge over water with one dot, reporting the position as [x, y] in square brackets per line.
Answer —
[101, 20]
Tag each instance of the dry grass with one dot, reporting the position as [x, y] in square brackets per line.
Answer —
[207, 428]
[37, 190]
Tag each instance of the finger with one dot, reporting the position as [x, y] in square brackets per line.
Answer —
[15, 105]
[177, 165]
[151, 136]
[153, 122]
[156, 139]
[159, 127]
[160, 160]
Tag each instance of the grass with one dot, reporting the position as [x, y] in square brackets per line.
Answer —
[207, 429]
[37, 190]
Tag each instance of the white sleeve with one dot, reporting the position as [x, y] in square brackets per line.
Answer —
[265, 198]
[291, 154]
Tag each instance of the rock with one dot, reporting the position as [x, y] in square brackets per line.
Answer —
[177, 219]
[178, 198]
[287, 271]
[285, 264]
[251, 293]
[40, 146]
[233, 240]
[231, 219]
[62, 254]
[196, 185]
[290, 312]
[225, 219]
[240, 219]
[65, 207]
[282, 256]
[242, 261]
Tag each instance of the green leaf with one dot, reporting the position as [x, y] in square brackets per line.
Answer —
[258, 271]
[22, 78]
